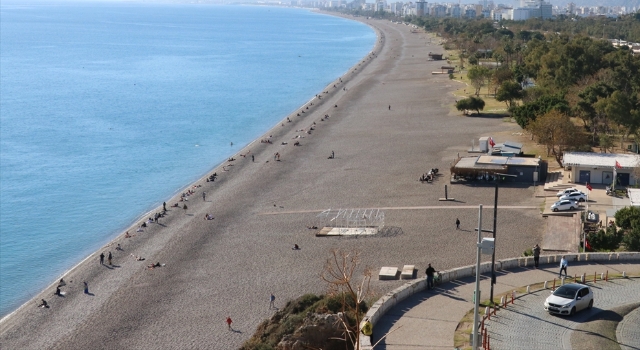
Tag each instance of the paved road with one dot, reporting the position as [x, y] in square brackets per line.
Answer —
[428, 319]
[628, 332]
[526, 325]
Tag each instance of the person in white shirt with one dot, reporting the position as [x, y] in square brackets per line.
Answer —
[563, 266]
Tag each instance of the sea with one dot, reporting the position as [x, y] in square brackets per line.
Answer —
[107, 109]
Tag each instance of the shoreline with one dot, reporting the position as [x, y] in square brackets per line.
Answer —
[216, 168]
[228, 266]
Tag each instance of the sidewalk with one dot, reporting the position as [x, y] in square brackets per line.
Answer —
[428, 319]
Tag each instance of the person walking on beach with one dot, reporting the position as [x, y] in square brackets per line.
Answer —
[204, 196]
[229, 322]
[536, 255]
[272, 299]
[164, 206]
[252, 158]
[101, 258]
[563, 266]
[86, 287]
[457, 224]
[109, 258]
[430, 271]
[389, 107]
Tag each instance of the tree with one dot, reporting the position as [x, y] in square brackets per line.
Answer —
[470, 103]
[339, 272]
[509, 92]
[556, 131]
[478, 75]
[628, 219]
[528, 112]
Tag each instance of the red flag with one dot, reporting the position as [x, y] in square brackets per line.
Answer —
[491, 142]
[587, 245]
[618, 165]
[589, 187]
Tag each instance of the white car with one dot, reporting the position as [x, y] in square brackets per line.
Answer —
[567, 191]
[564, 204]
[568, 299]
[576, 196]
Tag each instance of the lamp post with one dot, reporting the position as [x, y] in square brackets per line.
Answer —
[476, 302]
[495, 222]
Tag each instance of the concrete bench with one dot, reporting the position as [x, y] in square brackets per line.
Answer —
[388, 273]
[408, 272]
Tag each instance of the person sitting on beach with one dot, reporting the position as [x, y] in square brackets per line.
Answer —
[58, 293]
[44, 304]
[295, 247]
[297, 143]
[127, 235]
[208, 217]
[138, 258]
[231, 159]
[312, 227]
[62, 283]
[144, 224]
[118, 247]
[175, 205]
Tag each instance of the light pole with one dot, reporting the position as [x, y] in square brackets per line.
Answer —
[476, 296]
[495, 223]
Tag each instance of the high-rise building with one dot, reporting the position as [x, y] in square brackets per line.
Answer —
[421, 8]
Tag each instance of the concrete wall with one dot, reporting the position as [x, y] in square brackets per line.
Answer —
[389, 300]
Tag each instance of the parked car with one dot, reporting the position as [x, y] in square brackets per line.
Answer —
[569, 299]
[564, 204]
[578, 196]
[567, 191]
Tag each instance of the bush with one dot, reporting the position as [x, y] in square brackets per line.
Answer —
[632, 240]
[528, 252]
[608, 240]
[451, 76]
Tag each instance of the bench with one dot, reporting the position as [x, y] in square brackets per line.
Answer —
[408, 272]
[388, 273]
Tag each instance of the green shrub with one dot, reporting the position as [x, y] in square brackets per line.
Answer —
[608, 240]
[528, 252]
[632, 240]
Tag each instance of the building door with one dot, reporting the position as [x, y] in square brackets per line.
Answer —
[623, 179]
[607, 177]
[585, 176]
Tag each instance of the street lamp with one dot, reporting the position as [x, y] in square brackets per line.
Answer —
[495, 219]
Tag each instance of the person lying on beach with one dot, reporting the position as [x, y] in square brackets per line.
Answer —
[312, 227]
[118, 247]
[231, 159]
[139, 229]
[208, 217]
[153, 266]
[175, 205]
[138, 258]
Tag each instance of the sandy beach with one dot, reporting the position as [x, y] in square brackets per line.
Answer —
[230, 265]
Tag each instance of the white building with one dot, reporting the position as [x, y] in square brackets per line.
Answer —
[598, 168]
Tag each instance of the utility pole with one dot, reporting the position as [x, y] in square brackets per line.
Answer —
[477, 291]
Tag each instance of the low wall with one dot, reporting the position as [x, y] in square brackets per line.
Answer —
[389, 300]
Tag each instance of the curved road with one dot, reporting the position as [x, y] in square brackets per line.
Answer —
[526, 325]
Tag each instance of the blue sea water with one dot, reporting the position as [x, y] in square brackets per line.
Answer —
[109, 108]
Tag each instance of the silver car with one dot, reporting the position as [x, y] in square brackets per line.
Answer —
[568, 299]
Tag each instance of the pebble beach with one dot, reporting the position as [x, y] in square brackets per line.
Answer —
[390, 121]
